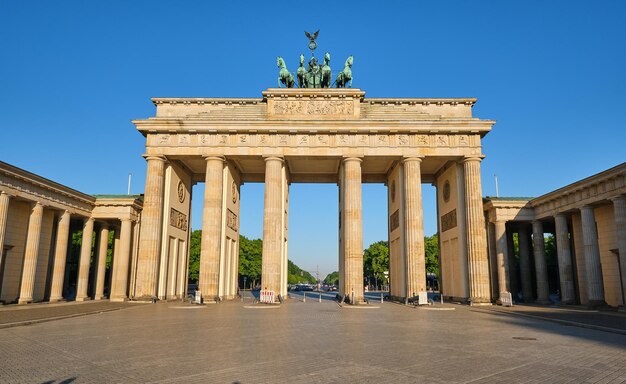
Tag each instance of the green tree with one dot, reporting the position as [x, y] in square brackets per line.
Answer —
[376, 261]
[194, 255]
[250, 259]
[431, 253]
[297, 275]
[332, 278]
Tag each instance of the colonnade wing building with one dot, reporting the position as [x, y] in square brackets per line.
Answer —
[44, 259]
[311, 136]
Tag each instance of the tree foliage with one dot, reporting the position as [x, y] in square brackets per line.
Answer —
[250, 252]
[296, 275]
[332, 278]
[376, 261]
[431, 252]
[194, 255]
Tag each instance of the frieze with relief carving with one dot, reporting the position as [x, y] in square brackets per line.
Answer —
[178, 220]
[313, 107]
[306, 139]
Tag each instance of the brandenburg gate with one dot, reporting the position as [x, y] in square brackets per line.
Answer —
[312, 135]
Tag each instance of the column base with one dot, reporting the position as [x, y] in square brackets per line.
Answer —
[597, 304]
[55, 299]
[83, 299]
[152, 299]
[118, 299]
[474, 301]
[25, 301]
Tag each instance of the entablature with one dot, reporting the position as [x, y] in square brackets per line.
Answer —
[25, 185]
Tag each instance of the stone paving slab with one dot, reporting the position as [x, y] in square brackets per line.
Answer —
[12, 315]
[601, 320]
[307, 343]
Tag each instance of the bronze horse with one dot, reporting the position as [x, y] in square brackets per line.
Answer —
[345, 76]
[325, 83]
[284, 76]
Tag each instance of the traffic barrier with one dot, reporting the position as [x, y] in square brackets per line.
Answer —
[267, 297]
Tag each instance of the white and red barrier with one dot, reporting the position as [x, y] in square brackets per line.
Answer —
[267, 296]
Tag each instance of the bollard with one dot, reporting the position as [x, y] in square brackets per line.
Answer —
[441, 297]
[352, 298]
[304, 300]
[320, 297]
[381, 297]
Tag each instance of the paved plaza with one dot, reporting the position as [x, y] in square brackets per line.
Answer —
[308, 342]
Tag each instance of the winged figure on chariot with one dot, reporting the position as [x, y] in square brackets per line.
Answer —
[314, 75]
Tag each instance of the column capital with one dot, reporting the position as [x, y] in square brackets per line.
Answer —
[468, 159]
[37, 204]
[407, 159]
[154, 157]
[560, 214]
[3, 193]
[352, 158]
[213, 157]
[586, 208]
[273, 158]
[126, 219]
[617, 198]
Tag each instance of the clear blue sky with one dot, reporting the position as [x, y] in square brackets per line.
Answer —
[552, 73]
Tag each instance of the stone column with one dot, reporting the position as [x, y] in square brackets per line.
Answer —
[120, 274]
[541, 269]
[211, 245]
[85, 259]
[271, 266]
[514, 275]
[502, 257]
[493, 260]
[31, 254]
[524, 263]
[414, 227]
[619, 211]
[353, 229]
[4, 213]
[477, 262]
[60, 257]
[595, 287]
[151, 227]
[103, 245]
[564, 255]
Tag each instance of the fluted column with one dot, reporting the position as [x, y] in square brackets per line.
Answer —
[595, 287]
[60, 257]
[619, 211]
[414, 227]
[477, 262]
[4, 213]
[31, 254]
[85, 259]
[524, 263]
[502, 257]
[271, 262]
[151, 227]
[353, 229]
[541, 269]
[564, 255]
[120, 274]
[103, 245]
[493, 259]
[208, 281]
